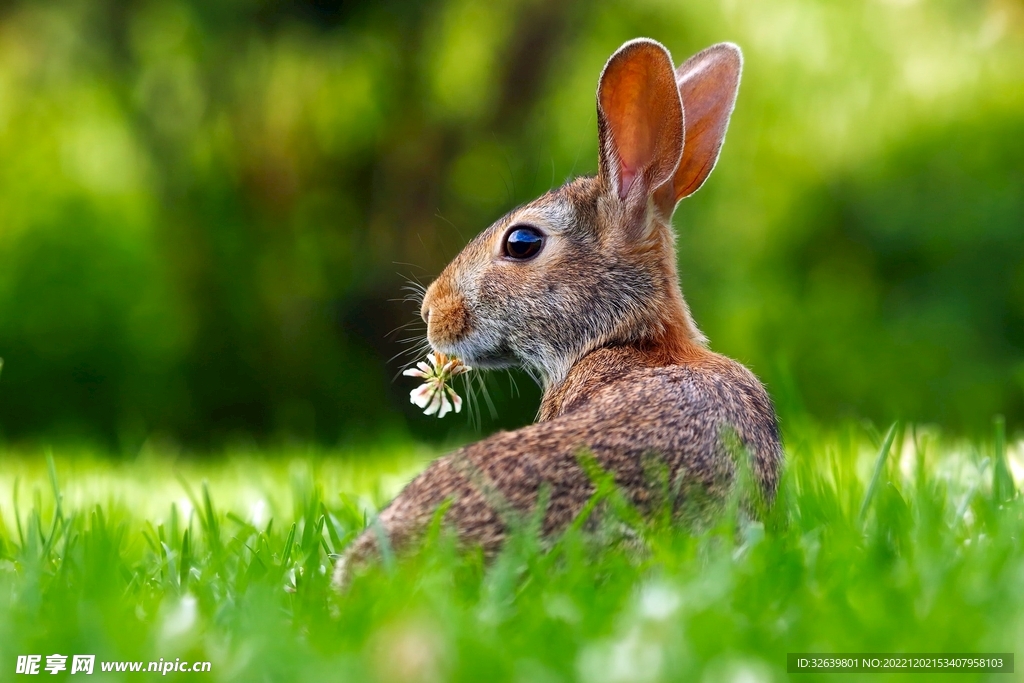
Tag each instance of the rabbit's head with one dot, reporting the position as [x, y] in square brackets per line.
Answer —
[593, 263]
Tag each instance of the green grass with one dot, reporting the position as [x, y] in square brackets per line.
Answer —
[227, 559]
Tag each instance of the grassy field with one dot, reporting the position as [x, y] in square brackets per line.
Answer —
[226, 559]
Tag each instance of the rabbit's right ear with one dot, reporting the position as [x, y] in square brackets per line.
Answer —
[639, 124]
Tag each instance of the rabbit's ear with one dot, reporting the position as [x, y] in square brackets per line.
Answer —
[708, 83]
[639, 122]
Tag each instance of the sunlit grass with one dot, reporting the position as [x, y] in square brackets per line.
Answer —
[247, 482]
[172, 558]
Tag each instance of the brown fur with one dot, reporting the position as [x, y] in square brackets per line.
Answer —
[450, 319]
[599, 316]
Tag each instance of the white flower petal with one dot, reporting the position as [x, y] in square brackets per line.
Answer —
[414, 372]
[435, 403]
[456, 399]
[446, 405]
[421, 395]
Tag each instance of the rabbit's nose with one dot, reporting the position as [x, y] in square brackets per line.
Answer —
[444, 310]
[429, 298]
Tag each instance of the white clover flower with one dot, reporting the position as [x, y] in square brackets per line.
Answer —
[434, 396]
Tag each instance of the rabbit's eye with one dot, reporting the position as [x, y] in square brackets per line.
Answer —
[523, 243]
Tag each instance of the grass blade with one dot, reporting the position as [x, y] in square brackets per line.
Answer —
[1003, 488]
[58, 498]
[184, 561]
[883, 455]
[17, 514]
[289, 542]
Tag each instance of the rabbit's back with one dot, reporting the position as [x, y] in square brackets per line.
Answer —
[684, 420]
[696, 417]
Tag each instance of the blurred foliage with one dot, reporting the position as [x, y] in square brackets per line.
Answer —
[207, 209]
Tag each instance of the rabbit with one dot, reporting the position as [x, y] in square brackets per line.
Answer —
[580, 286]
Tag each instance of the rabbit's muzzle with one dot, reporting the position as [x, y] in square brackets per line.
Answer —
[445, 312]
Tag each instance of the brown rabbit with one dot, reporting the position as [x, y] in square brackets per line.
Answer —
[580, 286]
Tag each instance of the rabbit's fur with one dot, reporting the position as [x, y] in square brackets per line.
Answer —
[599, 316]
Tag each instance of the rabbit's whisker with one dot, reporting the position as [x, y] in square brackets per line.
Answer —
[472, 404]
[482, 385]
[405, 326]
[513, 385]
[408, 265]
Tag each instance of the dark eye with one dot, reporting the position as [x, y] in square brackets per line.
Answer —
[523, 243]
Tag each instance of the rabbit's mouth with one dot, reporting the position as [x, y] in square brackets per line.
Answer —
[479, 354]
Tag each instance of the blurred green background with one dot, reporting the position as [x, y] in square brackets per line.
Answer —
[208, 209]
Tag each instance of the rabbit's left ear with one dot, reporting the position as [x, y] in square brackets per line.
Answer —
[639, 123]
[708, 83]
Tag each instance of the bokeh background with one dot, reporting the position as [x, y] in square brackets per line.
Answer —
[208, 210]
